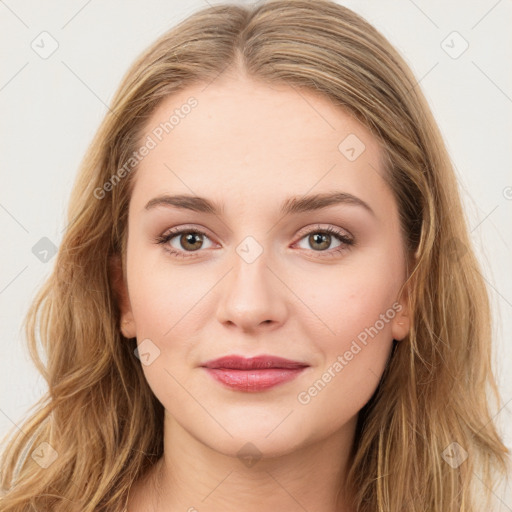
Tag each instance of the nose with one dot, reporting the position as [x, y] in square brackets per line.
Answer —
[252, 296]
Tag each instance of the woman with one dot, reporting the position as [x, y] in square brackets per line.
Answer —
[266, 297]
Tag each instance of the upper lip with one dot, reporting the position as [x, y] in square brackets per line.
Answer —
[234, 362]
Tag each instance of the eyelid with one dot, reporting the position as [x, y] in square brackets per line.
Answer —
[186, 227]
[318, 227]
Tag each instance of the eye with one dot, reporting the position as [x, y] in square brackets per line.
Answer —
[187, 240]
[191, 240]
[320, 239]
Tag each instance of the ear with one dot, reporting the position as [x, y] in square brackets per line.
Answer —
[118, 284]
[401, 323]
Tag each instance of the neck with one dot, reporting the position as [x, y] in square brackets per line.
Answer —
[193, 477]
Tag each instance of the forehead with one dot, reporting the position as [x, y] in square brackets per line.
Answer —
[245, 141]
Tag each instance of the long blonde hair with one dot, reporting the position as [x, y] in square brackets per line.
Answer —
[101, 419]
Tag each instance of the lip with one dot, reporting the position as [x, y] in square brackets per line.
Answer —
[235, 362]
[253, 374]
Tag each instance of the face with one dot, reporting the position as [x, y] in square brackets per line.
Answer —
[317, 286]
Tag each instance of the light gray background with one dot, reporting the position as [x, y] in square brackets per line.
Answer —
[51, 107]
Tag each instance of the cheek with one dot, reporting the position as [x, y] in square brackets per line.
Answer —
[340, 389]
[168, 306]
[353, 339]
[162, 297]
[341, 303]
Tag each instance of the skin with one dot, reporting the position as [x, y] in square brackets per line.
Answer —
[250, 146]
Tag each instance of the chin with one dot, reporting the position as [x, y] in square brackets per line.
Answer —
[256, 440]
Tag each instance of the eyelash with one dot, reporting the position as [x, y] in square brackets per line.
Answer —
[346, 241]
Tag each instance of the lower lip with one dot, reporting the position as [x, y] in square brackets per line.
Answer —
[254, 380]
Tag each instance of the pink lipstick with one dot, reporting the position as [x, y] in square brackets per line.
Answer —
[253, 374]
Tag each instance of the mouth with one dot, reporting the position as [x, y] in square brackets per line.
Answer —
[263, 362]
[253, 374]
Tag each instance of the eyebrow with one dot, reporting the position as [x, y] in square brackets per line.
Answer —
[292, 205]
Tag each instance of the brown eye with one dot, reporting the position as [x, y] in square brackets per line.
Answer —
[191, 241]
[319, 241]
[182, 242]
